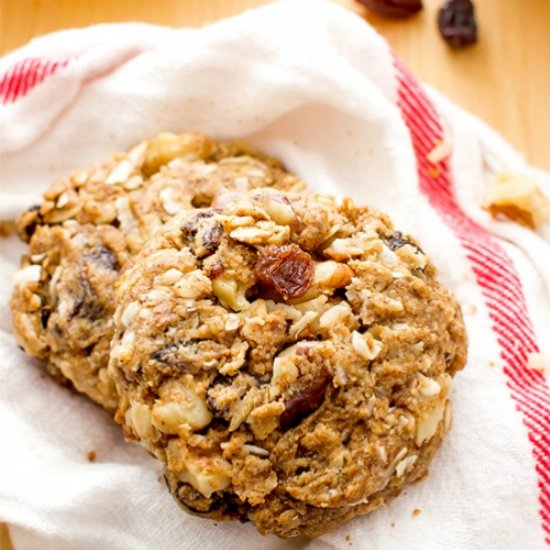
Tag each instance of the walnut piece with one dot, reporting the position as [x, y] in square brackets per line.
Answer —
[517, 198]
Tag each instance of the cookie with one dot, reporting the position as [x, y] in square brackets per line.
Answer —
[287, 357]
[89, 228]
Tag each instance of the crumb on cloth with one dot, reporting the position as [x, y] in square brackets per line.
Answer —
[539, 362]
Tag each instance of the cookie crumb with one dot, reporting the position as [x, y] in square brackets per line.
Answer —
[539, 362]
[392, 524]
[348, 538]
[7, 228]
[491, 365]
[91, 456]
[416, 512]
[434, 171]
[472, 309]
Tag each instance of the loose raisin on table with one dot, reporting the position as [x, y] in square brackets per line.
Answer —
[393, 8]
[457, 23]
[288, 269]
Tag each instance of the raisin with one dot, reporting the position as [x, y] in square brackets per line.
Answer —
[457, 23]
[167, 355]
[86, 303]
[44, 316]
[218, 506]
[212, 237]
[104, 257]
[308, 400]
[83, 299]
[202, 234]
[393, 8]
[287, 269]
[30, 220]
[191, 227]
[89, 350]
[184, 357]
[397, 240]
[216, 270]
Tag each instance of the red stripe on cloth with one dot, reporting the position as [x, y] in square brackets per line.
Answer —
[24, 75]
[495, 274]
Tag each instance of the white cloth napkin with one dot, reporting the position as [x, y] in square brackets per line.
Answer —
[315, 85]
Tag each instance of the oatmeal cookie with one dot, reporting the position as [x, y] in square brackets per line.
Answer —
[90, 226]
[287, 357]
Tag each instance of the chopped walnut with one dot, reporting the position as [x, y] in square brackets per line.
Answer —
[427, 425]
[179, 405]
[517, 198]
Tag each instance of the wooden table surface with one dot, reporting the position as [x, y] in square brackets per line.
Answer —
[504, 79]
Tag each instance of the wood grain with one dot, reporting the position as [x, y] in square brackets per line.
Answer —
[505, 79]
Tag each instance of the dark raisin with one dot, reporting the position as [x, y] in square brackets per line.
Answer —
[30, 229]
[393, 8]
[191, 228]
[86, 303]
[83, 295]
[457, 23]
[44, 316]
[308, 400]
[212, 237]
[183, 356]
[31, 219]
[89, 350]
[166, 355]
[216, 270]
[219, 505]
[104, 257]
[192, 225]
[397, 240]
[288, 269]
[220, 381]
[212, 405]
